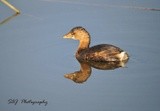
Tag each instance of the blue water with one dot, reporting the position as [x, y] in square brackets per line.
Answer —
[34, 56]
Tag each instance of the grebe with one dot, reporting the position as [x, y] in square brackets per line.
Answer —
[99, 53]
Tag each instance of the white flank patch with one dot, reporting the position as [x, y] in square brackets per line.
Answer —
[123, 56]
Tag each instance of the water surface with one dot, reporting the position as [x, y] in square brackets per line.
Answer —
[34, 57]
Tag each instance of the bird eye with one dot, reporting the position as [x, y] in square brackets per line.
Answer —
[72, 33]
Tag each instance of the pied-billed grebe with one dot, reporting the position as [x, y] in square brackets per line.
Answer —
[101, 53]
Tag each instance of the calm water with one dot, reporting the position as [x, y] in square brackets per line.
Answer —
[34, 57]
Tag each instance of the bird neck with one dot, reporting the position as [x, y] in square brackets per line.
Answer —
[83, 44]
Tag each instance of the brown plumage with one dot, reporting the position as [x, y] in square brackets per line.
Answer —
[102, 52]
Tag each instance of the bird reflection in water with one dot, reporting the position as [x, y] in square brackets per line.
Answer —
[86, 69]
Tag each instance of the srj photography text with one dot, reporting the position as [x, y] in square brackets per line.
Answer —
[28, 101]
